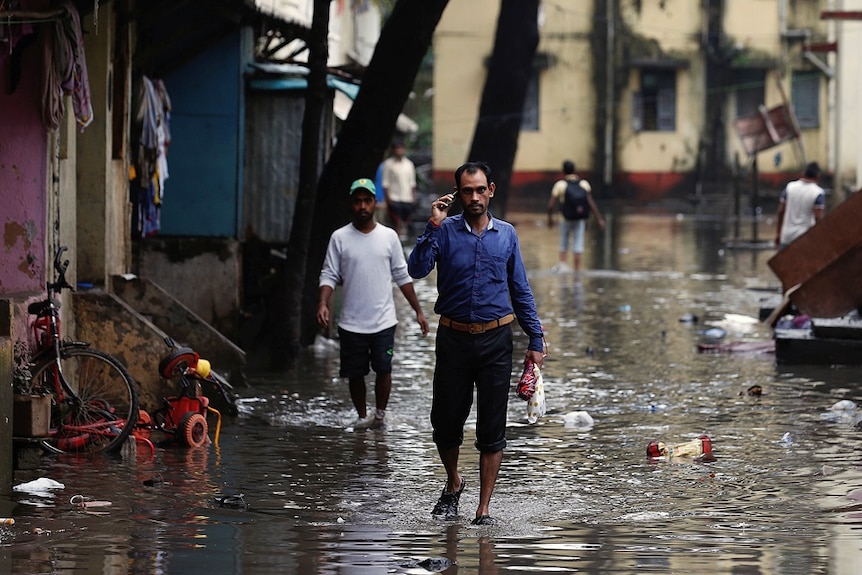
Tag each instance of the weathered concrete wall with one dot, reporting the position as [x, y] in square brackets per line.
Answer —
[23, 149]
[110, 325]
[204, 274]
[182, 324]
[104, 222]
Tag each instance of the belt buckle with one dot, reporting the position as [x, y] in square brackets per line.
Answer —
[477, 328]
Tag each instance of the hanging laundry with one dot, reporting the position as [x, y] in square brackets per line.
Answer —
[152, 125]
[65, 70]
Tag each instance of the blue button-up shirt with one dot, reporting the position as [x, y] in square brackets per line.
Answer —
[479, 278]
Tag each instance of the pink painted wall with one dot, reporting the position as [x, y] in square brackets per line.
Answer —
[23, 165]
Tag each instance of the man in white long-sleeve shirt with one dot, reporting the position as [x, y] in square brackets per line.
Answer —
[365, 257]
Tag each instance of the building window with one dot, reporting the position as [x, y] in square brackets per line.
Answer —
[654, 106]
[530, 114]
[750, 92]
[805, 94]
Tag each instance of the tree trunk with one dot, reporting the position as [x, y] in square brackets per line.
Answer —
[495, 140]
[367, 132]
[291, 276]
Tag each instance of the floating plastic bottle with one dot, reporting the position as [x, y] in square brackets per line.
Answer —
[700, 447]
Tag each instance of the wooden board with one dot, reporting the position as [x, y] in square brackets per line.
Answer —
[825, 262]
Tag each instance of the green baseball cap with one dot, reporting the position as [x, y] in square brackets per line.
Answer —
[363, 184]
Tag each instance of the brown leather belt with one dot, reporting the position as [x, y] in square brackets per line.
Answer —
[477, 327]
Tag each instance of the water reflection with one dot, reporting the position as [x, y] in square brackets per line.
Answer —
[783, 495]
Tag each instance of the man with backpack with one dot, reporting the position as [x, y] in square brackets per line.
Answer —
[573, 198]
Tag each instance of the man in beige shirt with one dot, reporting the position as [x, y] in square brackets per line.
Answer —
[399, 188]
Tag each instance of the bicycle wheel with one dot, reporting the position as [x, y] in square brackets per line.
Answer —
[97, 408]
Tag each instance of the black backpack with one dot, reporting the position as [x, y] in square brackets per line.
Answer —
[575, 205]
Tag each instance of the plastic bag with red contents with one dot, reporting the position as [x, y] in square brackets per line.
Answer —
[527, 383]
[531, 389]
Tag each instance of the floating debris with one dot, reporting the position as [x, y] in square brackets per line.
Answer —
[156, 480]
[236, 501]
[713, 333]
[87, 503]
[42, 486]
[578, 420]
[431, 564]
[699, 448]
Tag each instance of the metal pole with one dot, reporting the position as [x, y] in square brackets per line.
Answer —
[755, 208]
[736, 199]
[609, 102]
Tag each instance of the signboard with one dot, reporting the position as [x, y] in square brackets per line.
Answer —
[766, 128]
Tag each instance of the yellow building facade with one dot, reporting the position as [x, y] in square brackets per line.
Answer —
[647, 97]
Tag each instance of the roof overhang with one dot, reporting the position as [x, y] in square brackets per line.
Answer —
[172, 32]
[287, 77]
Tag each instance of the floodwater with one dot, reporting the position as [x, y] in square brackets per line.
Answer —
[784, 494]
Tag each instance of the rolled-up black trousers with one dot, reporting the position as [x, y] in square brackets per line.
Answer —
[465, 360]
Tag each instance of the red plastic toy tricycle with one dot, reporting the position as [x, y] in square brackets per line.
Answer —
[183, 417]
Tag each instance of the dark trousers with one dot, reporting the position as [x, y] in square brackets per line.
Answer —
[466, 360]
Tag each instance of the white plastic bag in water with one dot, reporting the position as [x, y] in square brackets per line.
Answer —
[536, 404]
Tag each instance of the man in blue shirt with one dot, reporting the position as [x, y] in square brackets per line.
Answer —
[482, 287]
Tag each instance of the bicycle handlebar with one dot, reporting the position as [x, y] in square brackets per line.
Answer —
[60, 266]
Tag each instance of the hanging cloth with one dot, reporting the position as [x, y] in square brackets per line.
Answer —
[64, 68]
[152, 123]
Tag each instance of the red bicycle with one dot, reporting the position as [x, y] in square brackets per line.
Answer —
[93, 397]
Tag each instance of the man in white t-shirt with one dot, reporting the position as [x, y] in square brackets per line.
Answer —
[364, 258]
[399, 188]
[800, 206]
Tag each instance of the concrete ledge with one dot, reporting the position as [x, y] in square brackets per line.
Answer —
[26, 454]
[204, 273]
[7, 366]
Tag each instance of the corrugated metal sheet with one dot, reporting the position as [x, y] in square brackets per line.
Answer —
[273, 140]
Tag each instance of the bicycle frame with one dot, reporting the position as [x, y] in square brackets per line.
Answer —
[48, 309]
[61, 385]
